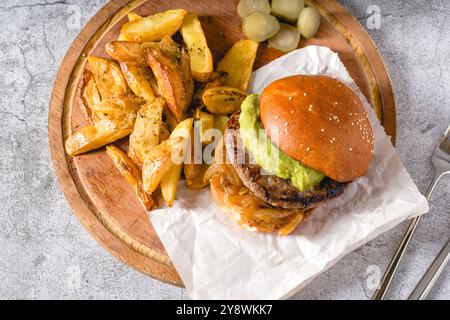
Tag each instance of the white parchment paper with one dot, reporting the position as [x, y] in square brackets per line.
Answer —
[217, 260]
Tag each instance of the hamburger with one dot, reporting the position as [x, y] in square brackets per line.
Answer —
[291, 149]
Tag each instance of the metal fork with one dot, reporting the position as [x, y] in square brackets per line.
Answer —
[441, 163]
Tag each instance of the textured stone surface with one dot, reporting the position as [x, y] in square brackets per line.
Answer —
[44, 249]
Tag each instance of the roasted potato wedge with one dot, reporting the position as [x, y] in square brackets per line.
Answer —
[206, 123]
[133, 16]
[159, 162]
[161, 158]
[114, 119]
[139, 79]
[183, 130]
[223, 100]
[193, 160]
[89, 94]
[238, 64]
[93, 137]
[155, 27]
[199, 52]
[117, 108]
[128, 51]
[132, 174]
[169, 183]
[108, 77]
[146, 132]
[216, 80]
[174, 78]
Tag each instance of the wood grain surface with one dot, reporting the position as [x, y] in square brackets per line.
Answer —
[102, 200]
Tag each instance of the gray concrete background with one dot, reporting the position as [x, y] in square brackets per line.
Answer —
[44, 249]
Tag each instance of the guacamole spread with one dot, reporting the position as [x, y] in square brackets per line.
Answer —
[267, 155]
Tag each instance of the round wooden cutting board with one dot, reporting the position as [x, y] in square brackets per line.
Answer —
[97, 193]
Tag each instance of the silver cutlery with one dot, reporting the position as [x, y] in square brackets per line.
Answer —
[441, 163]
[434, 271]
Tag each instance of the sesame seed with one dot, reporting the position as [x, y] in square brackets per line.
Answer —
[308, 149]
[305, 94]
[276, 117]
[286, 124]
[331, 141]
[286, 130]
[350, 114]
[350, 149]
[336, 103]
[292, 111]
[290, 98]
[323, 130]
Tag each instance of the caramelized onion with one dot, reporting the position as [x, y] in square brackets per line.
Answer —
[253, 212]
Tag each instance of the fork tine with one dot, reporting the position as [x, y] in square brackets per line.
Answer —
[441, 162]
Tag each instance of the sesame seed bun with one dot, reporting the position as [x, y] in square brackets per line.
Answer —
[320, 122]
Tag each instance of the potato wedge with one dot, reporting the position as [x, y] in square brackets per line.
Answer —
[155, 27]
[132, 174]
[183, 129]
[206, 123]
[127, 51]
[114, 119]
[108, 77]
[93, 137]
[223, 100]
[118, 108]
[146, 132]
[89, 94]
[192, 165]
[139, 80]
[216, 80]
[133, 16]
[199, 52]
[169, 184]
[174, 79]
[238, 64]
[159, 162]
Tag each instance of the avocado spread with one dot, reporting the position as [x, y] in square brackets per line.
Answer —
[267, 155]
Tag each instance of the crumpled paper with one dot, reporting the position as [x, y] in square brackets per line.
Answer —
[217, 260]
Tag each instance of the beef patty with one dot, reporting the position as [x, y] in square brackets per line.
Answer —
[276, 191]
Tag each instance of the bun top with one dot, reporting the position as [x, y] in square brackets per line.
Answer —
[321, 123]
